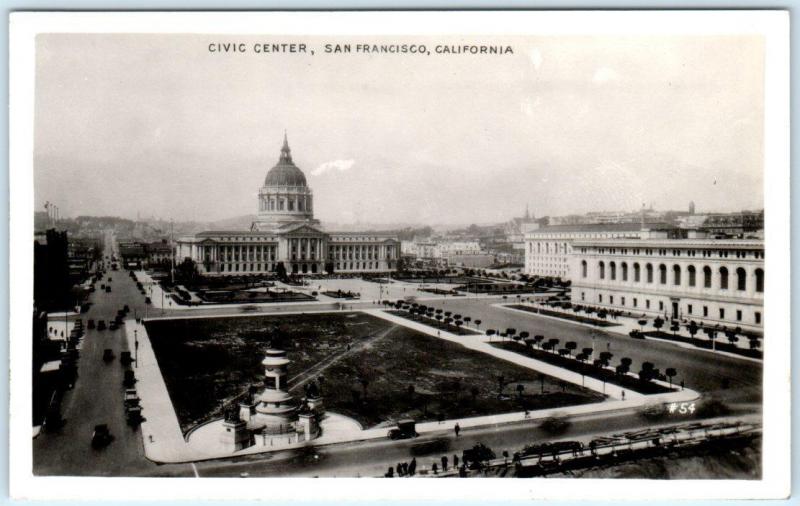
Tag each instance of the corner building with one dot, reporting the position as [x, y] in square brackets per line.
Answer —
[286, 231]
[710, 281]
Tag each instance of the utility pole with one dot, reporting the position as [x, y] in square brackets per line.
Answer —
[172, 252]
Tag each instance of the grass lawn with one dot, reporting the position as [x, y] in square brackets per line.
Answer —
[208, 361]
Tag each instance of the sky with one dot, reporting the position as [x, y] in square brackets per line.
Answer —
[157, 125]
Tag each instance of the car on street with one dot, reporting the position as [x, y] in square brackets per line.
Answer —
[90, 324]
[101, 325]
[108, 289]
[101, 436]
[108, 355]
[406, 429]
[113, 325]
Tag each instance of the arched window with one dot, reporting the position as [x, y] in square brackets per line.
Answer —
[706, 277]
[613, 267]
[692, 275]
[662, 274]
[723, 278]
[584, 268]
[759, 280]
[602, 267]
[676, 275]
[637, 273]
[741, 279]
[624, 271]
[649, 269]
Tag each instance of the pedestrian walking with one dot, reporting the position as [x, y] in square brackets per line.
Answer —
[412, 468]
[444, 463]
[455, 460]
[623, 395]
[457, 429]
[435, 468]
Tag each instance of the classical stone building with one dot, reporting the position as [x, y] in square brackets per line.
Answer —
[548, 249]
[706, 280]
[286, 232]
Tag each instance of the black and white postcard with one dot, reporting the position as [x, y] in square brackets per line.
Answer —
[543, 248]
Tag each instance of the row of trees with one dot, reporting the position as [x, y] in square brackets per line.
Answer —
[647, 373]
[441, 316]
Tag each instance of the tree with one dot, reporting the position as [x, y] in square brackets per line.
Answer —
[511, 332]
[458, 324]
[670, 372]
[754, 343]
[571, 346]
[538, 339]
[675, 327]
[186, 272]
[731, 335]
[478, 323]
[280, 271]
[490, 333]
[587, 351]
[642, 323]
[553, 342]
[605, 358]
[524, 335]
[647, 373]
[692, 328]
[658, 323]
[501, 383]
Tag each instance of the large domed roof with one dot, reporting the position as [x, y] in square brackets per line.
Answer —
[285, 172]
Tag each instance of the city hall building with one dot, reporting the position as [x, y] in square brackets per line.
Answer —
[714, 281]
[286, 232]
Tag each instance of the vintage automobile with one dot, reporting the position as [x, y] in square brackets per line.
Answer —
[101, 325]
[406, 429]
[108, 355]
[101, 436]
[90, 324]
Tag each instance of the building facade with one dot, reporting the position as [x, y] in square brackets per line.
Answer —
[548, 249]
[286, 233]
[705, 280]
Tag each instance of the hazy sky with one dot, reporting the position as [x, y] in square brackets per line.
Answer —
[159, 125]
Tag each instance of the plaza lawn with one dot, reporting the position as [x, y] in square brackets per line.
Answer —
[367, 365]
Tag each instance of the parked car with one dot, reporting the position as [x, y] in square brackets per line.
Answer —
[108, 355]
[125, 358]
[101, 325]
[101, 436]
[113, 325]
[130, 379]
[90, 324]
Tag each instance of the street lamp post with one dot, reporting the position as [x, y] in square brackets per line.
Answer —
[136, 347]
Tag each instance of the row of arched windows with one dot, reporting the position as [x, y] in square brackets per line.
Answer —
[610, 271]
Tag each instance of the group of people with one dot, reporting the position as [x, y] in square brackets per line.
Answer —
[404, 469]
